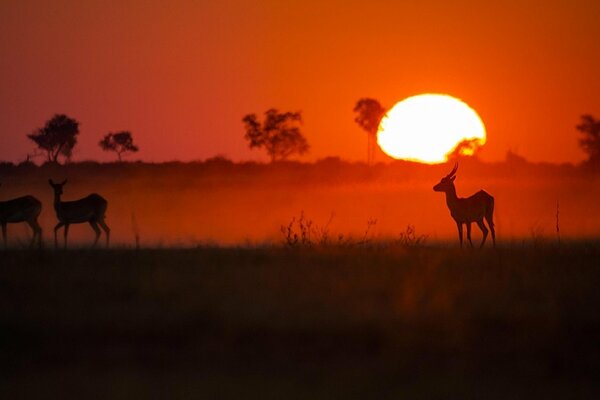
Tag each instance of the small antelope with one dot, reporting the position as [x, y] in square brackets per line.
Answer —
[90, 209]
[22, 209]
[468, 210]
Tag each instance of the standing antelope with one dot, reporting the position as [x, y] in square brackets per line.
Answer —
[22, 209]
[468, 210]
[90, 209]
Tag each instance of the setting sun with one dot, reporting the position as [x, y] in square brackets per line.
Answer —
[427, 127]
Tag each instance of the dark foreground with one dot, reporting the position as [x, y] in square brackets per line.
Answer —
[274, 323]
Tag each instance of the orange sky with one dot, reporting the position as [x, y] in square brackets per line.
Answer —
[181, 75]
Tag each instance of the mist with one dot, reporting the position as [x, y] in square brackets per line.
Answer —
[218, 202]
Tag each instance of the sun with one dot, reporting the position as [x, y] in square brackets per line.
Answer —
[428, 127]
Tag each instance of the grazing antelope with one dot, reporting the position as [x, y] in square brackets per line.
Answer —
[90, 209]
[22, 209]
[468, 210]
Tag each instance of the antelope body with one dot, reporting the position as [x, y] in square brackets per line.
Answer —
[465, 211]
[22, 209]
[90, 209]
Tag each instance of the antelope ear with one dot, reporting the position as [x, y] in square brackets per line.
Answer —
[65, 181]
[453, 178]
[50, 182]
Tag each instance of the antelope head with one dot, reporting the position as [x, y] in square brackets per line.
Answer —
[57, 186]
[446, 182]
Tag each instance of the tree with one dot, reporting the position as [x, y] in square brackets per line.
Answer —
[590, 143]
[465, 148]
[369, 114]
[120, 143]
[57, 138]
[279, 134]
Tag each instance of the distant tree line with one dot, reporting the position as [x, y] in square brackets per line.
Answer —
[58, 137]
[278, 133]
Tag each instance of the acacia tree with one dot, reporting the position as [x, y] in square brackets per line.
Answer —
[57, 138]
[465, 148]
[120, 143]
[279, 134]
[590, 143]
[369, 113]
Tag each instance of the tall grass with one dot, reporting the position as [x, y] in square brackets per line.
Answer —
[319, 322]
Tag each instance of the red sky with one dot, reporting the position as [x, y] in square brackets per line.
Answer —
[181, 75]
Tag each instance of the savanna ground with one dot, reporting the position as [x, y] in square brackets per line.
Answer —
[216, 303]
[378, 321]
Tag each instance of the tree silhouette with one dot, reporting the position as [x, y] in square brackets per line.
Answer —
[120, 143]
[465, 148]
[57, 138]
[279, 134]
[369, 114]
[590, 143]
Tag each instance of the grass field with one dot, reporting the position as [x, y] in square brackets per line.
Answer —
[522, 321]
[224, 203]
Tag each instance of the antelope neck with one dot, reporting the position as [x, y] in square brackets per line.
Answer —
[451, 197]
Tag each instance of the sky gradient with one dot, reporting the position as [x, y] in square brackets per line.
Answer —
[180, 76]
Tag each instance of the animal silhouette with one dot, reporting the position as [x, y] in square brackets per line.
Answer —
[22, 209]
[90, 209]
[475, 208]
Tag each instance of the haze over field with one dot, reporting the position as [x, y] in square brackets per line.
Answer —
[223, 203]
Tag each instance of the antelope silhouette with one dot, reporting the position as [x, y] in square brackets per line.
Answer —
[475, 208]
[22, 209]
[90, 209]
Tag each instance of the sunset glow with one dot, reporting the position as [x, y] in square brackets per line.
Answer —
[428, 127]
[227, 197]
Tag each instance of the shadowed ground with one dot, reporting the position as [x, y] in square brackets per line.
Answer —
[376, 322]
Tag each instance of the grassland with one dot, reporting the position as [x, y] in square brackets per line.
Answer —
[270, 322]
[225, 203]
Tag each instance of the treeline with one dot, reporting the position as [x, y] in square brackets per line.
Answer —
[58, 137]
[279, 134]
[329, 169]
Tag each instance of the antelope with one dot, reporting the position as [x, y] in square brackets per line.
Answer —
[22, 209]
[90, 209]
[467, 210]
